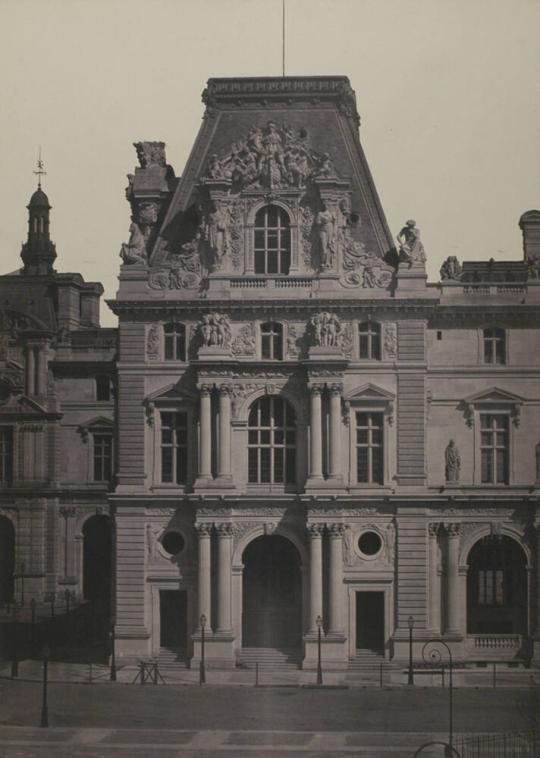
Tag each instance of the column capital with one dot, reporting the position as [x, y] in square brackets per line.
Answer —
[336, 529]
[204, 528]
[225, 389]
[453, 529]
[336, 388]
[205, 389]
[225, 529]
[316, 389]
[434, 528]
[67, 511]
[315, 530]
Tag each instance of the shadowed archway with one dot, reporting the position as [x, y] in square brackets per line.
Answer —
[272, 594]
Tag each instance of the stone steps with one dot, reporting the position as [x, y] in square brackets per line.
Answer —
[273, 658]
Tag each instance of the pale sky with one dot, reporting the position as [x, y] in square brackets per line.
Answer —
[448, 92]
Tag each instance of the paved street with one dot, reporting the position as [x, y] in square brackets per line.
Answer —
[119, 719]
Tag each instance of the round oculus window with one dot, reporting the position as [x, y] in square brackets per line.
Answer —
[173, 543]
[369, 543]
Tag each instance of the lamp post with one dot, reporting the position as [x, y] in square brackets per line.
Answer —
[23, 569]
[113, 654]
[435, 656]
[44, 708]
[202, 671]
[318, 621]
[410, 624]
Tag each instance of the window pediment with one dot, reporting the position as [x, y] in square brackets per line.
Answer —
[171, 396]
[99, 424]
[494, 398]
[372, 396]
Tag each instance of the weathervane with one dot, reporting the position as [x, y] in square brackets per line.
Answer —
[40, 170]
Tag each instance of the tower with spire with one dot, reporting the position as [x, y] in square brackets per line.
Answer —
[38, 252]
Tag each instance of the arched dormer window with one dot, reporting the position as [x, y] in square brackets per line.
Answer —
[272, 341]
[174, 342]
[271, 442]
[369, 340]
[272, 250]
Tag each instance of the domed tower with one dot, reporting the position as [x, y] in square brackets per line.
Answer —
[38, 252]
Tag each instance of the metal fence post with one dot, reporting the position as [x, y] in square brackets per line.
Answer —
[256, 673]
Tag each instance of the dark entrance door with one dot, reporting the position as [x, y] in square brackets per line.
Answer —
[173, 620]
[7, 560]
[97, 554]
[370, 620]
[272, 594]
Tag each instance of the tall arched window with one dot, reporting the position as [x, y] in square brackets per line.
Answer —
[175, 342]
[272, 241]
[271, 442]
[272, 341]
[496, 587]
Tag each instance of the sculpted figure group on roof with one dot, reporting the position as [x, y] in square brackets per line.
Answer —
[270, 157]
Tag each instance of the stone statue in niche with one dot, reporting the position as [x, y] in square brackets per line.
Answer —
[451, 268]
[411, 249]
[390, 340]
[452, 461]
[326, 329]
[215, 169]
[150, 153]
[533, 265]
[134, 251]
[152, 340]
[325, 223]
[215, 330]
[218, 234]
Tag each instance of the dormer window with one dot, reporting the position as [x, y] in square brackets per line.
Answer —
[495, 346]
[369, 340]
[272, 241]
[272, 341]
[174, 342]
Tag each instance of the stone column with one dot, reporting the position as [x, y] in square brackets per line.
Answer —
[315, 575]
[434, 581]
[204, 574]
[40, 370]
[315, 458]
[69, 569]
[205, 460]
[335, 585]
[453, 532]
[224, 454]
[30, 371]
[225, 534]
[335, 470]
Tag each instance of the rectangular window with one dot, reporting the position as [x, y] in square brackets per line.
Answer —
[174, 342]
[103, 387]
[6, 455]
[495, 346]
[369, 338]
[490, 587]
[369, 448]
[102, 457]
[174, 447]
[494, 431]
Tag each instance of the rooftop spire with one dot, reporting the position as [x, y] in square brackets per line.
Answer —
[40, 168]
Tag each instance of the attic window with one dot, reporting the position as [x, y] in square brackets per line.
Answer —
[272, 241]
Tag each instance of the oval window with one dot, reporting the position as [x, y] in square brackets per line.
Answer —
[173, 543]
[369, 543]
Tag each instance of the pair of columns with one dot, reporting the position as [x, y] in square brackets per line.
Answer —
[335, 580]
[224, 431]
[452, 578]
[224, 573]
[316, 450]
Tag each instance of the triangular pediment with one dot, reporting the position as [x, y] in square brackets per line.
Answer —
[22, 405]
[169, 394]
[370, 392]
[98, 422]
[494, 395]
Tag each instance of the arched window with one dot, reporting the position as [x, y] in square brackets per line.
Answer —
[369, 338]
[175, 342]
[272, 341]
[496, 587]
[271, 442]
[272, 241]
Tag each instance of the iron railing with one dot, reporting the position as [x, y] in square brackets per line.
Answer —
[508, 745]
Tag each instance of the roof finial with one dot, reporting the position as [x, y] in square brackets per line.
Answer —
[40, 170]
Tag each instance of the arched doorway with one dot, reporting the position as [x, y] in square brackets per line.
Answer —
[271, 594]
[7, 560]
[97, 559]
[497, 587]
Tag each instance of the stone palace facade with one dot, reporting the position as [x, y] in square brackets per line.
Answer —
[291, 429]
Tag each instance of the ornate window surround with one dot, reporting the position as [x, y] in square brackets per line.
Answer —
[496, 401]
[294, 225]
[97, 425]
[370, 399]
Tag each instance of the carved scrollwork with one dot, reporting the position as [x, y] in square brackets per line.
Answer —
[390, 340]
[244, 344]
